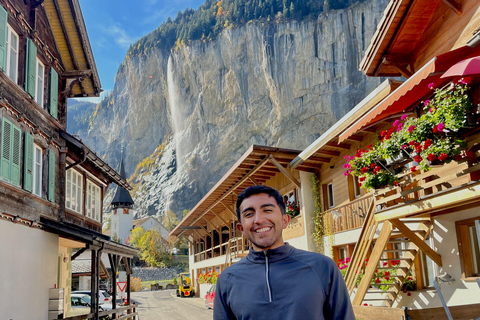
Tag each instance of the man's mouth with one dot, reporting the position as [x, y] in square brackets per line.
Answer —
[261, 230]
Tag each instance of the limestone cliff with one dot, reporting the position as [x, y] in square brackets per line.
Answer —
[198, 108]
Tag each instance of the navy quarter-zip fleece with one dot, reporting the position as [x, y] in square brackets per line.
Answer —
[284, 284]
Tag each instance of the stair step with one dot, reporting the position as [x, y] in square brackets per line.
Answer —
[401, 250]
[405, 269]
[378, 291]
[385, 284]
[379, 299]
[413, 220]
[392, 259]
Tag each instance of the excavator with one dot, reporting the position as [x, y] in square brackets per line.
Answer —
[185, 288]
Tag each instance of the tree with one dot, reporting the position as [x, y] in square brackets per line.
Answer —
[169, 220]
[154, 250]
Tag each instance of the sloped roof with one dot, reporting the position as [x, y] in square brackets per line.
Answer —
[122, 196]
[83, 264]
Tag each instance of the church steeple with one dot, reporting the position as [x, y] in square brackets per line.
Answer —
[122, 198]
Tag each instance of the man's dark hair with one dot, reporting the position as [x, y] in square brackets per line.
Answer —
[250, 191]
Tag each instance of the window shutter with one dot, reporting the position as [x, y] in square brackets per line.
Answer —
[6, 149]
[28, 163]
[31, 68]
[51, 176]
[16, 155]
[53, 93]
[3, 38]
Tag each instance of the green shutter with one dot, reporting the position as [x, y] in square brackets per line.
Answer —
[3, 38]
[53, 93]
[51, 176]
[6, 149]
[30, 68]
[28, 163]
[16, 155]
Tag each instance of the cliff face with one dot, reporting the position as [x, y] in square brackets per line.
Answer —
[278, 85]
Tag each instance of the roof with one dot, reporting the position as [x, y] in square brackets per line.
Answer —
[68, 27]
[122, 197]
[82, 265]
[398, 34]
[330, 136]
[414, 89]
[140, 221]
[257, 165]
[78, 147]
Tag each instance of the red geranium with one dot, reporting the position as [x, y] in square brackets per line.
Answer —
[443, 157]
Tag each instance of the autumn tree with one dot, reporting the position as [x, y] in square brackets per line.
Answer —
[153, 248]
[169, 220]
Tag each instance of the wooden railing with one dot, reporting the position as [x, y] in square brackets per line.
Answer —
[235, 245]
[349, 216]
[420, 185]
[130, 310]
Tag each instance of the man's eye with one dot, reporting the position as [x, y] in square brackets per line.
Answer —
[248, 214]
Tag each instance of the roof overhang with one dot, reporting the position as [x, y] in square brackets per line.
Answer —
[359, 110]
[78, 147]
[413, 90]
[71, 38]
[255, 167]
[398, 32]
[87, 236]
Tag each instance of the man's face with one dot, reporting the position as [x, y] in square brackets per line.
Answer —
[262, 222]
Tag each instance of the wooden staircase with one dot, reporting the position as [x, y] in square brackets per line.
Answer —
[406, 243]
[229, 253]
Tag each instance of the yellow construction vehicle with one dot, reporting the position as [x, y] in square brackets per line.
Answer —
[185, 288]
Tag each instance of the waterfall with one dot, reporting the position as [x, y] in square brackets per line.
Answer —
[178, 121]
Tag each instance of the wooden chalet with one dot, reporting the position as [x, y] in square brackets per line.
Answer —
[51, 184]
[427, 229]
[210, 227]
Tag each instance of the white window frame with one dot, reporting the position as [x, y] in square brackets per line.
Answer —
[39, 83]
[74, 191]
[93, 203]
[12, 51]
[37, 170]
[330, 196]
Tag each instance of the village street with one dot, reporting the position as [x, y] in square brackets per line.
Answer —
[164, 304]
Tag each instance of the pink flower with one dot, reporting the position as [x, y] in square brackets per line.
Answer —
[440, 127]
[466, 80]
[426, 102]
[347, 260]
[346, 157]
[410, 129]
[431, 85]
[396, 123]
[404, 117]
[400, 127]
[345, 173]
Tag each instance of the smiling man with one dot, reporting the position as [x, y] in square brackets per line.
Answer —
[275, 280]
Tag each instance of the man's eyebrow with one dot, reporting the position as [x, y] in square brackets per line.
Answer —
[262, 207]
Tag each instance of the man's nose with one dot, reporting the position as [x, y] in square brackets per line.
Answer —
[259, 217]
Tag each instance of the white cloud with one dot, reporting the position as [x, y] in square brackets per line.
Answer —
[119, 36]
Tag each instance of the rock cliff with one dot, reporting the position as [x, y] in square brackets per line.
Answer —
[185, 116]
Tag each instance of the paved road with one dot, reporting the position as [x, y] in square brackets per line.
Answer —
[164, 304]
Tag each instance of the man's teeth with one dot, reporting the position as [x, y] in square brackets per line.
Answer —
[262, 230]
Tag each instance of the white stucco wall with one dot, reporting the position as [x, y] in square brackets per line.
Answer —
[122, 224]
[29, 260]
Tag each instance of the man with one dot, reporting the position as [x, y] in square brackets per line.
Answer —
[275, 280]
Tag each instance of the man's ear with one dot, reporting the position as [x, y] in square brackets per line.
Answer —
[286, 219]
[239, 227]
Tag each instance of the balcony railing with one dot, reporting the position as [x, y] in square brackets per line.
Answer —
[238, 246]
[349, 216]
[419, 185]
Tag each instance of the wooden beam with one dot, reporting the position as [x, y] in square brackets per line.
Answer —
[355, 138]
[284, 171]
[224, 221]
[417, 241]
[229, 210]
[455, 6]
[209, 223]
[254, 181]
[345, 146]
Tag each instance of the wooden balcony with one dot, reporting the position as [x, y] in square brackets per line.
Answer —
[349, 216]
[236, 247]
[424, 192]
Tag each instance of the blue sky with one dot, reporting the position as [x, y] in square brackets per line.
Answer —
[113, 25]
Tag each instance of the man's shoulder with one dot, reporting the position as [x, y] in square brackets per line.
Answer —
[239, 266]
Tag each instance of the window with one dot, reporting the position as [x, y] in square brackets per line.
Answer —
[74, 191]
[11, 152]
[37, 170]
[331, 201]
[40, 78]
[293, 197]
[12, 54]
[356, 187]
[93, 202]
[469, 246]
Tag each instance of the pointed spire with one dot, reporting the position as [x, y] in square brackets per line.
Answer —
[122, 198]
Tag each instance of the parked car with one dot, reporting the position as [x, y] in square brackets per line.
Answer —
[210, 296]
[104, 296]
[81, 304]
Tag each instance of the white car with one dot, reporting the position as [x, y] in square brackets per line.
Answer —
[80, 304]
[104, 297]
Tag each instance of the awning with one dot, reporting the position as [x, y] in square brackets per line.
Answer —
[414, 89]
